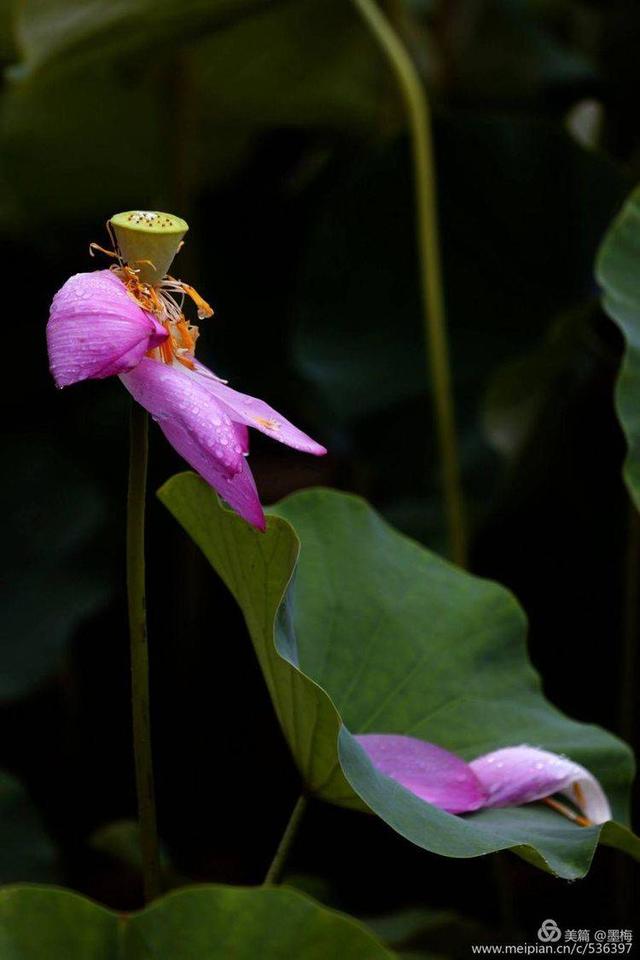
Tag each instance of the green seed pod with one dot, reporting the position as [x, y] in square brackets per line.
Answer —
[148, 241]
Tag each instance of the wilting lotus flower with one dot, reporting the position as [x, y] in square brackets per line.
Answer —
[111, 323]
[508, 777]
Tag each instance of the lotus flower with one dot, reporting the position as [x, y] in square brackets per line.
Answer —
[508, 777]
[109, 323]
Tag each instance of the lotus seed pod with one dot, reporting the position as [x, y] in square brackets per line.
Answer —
[148, 241]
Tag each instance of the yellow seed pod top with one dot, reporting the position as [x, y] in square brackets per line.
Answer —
[148, 241]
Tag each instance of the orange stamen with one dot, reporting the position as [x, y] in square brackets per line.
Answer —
[166, 350]
[266, 423]
[204, 310]
[185, 362]
[187, 339]
[148, 298]
[567, 812]
[96, 246]
[143, 293]
[579, 795]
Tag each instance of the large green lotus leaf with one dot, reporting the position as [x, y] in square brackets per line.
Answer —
[375, 633]
[618, 271]
[197, 923]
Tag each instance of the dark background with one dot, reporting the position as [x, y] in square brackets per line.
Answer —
[278, 135]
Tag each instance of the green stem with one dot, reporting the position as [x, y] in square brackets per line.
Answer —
[419, 115]
[281, 854]
[139, 651]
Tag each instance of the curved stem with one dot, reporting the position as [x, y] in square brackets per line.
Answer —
[139, 651]
[281, 854]
[419, 115]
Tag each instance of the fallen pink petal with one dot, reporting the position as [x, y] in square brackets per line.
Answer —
[509, 777]
[517, 775]
[432, 773]
[109, 323]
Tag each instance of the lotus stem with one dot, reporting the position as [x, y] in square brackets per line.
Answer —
[140, 652]
[277, 864]
[419, 115]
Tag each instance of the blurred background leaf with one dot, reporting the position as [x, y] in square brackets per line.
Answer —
[27, 851]
[52, 580]
[190, 112]
[65, 33]
[518, 250]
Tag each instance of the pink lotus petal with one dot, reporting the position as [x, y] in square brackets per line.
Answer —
[433, 774]
[516, 775]
[242, 433]
[239, 491]
[97, 330]
[256, 413]
[173, 395]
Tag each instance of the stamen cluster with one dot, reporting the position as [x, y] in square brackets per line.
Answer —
[159, 300]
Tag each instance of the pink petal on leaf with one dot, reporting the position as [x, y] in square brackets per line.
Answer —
[239, 491]
[173, 395]
[516, 775]
[256, 413]
[433, 774]
[97, 330]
